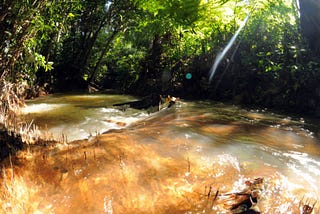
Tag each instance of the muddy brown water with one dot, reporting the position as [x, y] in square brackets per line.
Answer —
[187, 159]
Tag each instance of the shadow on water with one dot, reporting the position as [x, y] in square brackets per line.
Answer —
[193, 158]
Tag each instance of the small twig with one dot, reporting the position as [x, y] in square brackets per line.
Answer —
[209, 193]
[11, 165]
[4, 177]
[213, 200]
[28, 129]
[85, 155]
[215, 197]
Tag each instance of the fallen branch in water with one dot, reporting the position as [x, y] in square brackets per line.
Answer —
[244, 201]
[151, 103]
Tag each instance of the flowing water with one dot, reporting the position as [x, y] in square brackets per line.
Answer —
[192, 158]
[79, 116]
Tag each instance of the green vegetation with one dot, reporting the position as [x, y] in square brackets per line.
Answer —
[143, 46]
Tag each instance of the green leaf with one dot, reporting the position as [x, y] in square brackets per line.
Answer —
[71, 15]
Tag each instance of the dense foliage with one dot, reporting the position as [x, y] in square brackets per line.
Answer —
[166, 46]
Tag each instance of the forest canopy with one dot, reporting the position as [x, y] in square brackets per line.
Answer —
[165, 46]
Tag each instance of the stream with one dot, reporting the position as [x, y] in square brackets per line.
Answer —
[191, 158]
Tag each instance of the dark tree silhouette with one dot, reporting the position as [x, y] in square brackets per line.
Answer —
[310, 23]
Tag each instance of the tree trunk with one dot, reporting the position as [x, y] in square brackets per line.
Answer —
[103, 53]
[310, 23]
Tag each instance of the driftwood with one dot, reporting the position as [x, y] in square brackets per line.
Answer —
[246, 200]
[151, 102]
[306, 207]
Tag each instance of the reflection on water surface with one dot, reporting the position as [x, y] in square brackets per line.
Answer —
[188, 159]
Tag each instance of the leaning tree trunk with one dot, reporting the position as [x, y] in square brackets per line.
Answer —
[310, 23]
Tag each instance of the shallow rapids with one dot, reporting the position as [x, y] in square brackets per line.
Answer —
[188, 159]
[79, 116]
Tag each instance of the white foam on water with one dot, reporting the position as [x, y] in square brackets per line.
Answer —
[40, 108]
[94, 125]
[109, 110]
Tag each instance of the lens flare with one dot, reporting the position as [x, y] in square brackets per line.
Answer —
[222, 54]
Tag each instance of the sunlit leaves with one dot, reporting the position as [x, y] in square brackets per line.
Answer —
[32, 30]
[152, 6]
[70, 15]
[124, 36]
